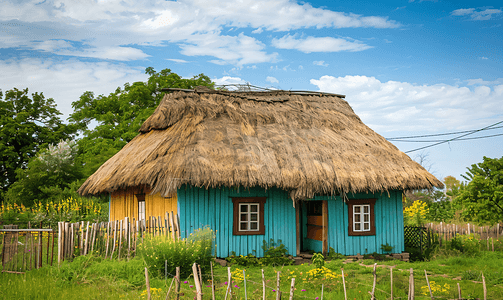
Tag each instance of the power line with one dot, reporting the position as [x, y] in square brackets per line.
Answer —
[465, 139]
[437, 134]
[455, 138]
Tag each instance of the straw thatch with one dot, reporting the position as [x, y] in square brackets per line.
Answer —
[304, 143]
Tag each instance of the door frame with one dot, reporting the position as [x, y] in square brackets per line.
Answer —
[301, 223]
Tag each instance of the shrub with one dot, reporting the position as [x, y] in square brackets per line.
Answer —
[318, 260]
[245, 261]
[415, 214]
[275, 254]
[334, 255]
[183, 253]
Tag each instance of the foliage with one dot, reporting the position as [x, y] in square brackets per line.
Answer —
[435, 288]
[275, 254]
[415, 214]
[482, 197]
[120, 114]
[318, 260]
[334, 255]
[375, 256]
[387, 248]
[48, 177]
[452, 187]
[238, 276]
[441, 211]
[97, 278]
[243, 260]
[89, 268]
[28, 124]
[183, 253]
[50, 213]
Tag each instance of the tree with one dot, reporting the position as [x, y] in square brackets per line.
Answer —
[27, 124]
[482, 197]
[49, 175]
[452, 187]
[119, 116]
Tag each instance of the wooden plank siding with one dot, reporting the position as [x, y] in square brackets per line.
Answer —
[388, 218]
[123, 203]
[213, 207]
[199, 207]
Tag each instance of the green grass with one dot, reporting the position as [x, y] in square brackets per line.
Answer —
[95, 278]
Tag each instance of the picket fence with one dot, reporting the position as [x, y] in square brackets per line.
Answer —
[448, 231]
[114, 239]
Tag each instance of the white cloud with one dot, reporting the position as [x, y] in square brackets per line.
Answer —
[483, 57]
[480, 81]
[462, 11]
[109, 29]
[238, 50]
[180, 61]
[409, 107]
[477, 14]
[320, 63]
[228, 80]
[318, 44]
[271, 79]
[65, 81]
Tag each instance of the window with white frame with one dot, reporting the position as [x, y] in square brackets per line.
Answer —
[141, 206]
[248, 215]
[361, 217]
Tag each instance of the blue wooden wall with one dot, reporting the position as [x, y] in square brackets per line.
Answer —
[199, 207]
[388, 222]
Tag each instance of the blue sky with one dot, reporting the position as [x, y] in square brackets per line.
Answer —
[406, 67]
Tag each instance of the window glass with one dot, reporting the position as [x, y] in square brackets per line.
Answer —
[249, 217]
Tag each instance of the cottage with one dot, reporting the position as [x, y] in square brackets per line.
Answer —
[300, 167]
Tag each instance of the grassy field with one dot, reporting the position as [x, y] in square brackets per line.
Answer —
[94, 278]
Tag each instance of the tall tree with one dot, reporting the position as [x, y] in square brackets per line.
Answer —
[118, 116]
[27, 124]
[482, 197]
[49, 176]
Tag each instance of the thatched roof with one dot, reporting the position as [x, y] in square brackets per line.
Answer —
[305, 143]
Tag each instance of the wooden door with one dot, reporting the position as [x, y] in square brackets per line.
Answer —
[317, 222]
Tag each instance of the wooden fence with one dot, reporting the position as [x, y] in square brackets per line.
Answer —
[26, 249]
[114, 239]
[448, 231]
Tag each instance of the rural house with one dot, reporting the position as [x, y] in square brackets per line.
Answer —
[300, 167]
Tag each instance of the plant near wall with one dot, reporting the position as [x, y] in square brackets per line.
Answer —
[318, 260]
[243, 260]
[275, 254]
[386, 248]
[183, 253]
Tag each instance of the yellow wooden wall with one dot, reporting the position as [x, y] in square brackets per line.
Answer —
[123, 203]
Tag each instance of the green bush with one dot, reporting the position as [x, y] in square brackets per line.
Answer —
[318, 260]
[243, 260]
[275, 254]
[183, 253]
[334, 255]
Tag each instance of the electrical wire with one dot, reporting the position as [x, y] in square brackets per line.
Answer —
[465, 139]
[437, 134]
[455, 138]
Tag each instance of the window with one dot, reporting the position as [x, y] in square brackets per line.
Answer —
[248, 216]
[361, 217]
[141, 206]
